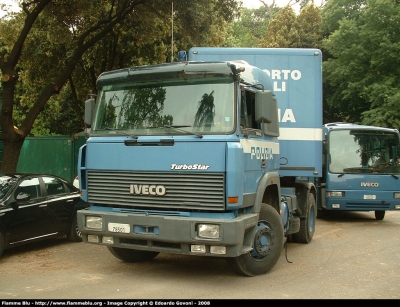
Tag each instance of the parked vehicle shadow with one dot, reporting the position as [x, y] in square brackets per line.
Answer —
[349, 216]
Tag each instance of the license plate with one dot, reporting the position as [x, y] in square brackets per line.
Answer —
[369, 196]
[117, 227]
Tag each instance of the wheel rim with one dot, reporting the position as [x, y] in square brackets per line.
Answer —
[264, 240]
[77, 230]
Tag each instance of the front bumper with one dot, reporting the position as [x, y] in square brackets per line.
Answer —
[172, 234]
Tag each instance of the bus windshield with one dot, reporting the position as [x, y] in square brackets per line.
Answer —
[363, 151]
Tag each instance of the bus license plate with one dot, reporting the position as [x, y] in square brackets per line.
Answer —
[369, 196]
[116, 227]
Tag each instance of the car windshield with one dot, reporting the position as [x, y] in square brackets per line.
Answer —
[6, 183]
[363, 151]
[165, 109]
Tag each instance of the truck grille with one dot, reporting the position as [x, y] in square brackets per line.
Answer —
[193, 191]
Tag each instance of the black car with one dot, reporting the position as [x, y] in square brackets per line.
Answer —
[35, 207]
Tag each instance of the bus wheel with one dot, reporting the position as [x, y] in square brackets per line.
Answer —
[379, 214]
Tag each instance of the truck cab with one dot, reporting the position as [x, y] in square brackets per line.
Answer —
[184, 158]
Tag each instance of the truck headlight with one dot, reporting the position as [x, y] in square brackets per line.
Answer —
[94, 222]
[396, 195]
[335, 194]
[208, 231]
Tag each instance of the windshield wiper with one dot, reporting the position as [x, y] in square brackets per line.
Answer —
[176, 128]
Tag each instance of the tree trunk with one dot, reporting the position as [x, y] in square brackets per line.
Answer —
[11, 155]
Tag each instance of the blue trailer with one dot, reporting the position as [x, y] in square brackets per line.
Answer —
[296, 76]
[359, 166]
[200, 158]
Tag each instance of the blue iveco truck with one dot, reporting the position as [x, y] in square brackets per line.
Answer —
[196, 158]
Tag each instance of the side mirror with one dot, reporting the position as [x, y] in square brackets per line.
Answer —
[89, 111]
[266, 112]
[21, 197]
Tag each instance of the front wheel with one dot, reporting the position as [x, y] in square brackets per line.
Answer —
[379, 214]
[267, 245]
[307, 223]
[132, 255]
[74, 233]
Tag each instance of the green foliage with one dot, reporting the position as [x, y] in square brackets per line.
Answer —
[282, 30]
[287, 30]
[250, 27]
[338, 10]
[64, 113]
[309, 27]
[363, 69]
[144, 36]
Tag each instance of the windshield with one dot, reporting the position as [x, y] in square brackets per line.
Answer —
[363, 151]
[159, 109]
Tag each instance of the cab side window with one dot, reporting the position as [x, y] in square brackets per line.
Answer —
[247, 110]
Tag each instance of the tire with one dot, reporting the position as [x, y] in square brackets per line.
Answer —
[1, 244]
[307, 223]
[74, 233]
[380, 214]
[294, 225]
[132, 255]
[267, 245]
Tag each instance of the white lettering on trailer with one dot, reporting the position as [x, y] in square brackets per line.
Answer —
[288, 116]
[279, 88]
[190, 166]
[147, 189]
[284, 74]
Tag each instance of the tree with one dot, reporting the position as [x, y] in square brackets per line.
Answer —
[282, 30]
[288, 30]
[363, 65]
[66, 40]
[250, 27]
